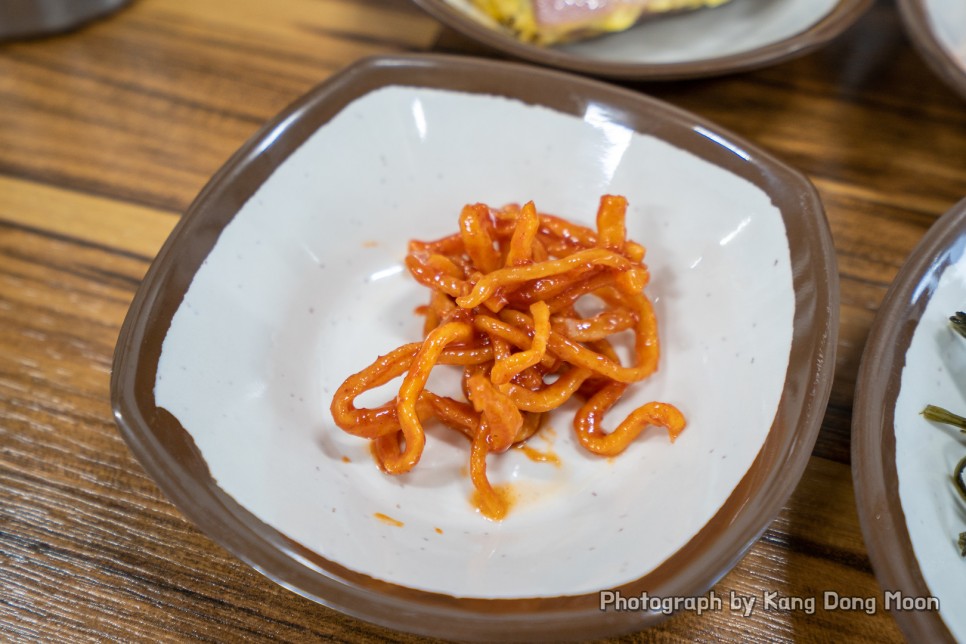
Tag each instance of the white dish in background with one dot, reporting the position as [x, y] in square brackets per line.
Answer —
[902, 463]
[735, 28]
[737, 36]
[938, 30]
[948, 21]
[927, 453]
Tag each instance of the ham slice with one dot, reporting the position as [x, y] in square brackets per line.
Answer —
[578, 12]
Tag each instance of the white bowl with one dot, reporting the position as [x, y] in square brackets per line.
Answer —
[737, 36]
[902, 463]
[938, 30]
[286, 276]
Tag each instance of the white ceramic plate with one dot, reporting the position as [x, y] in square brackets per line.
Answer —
[739, 35]
[926, 453]
[948, 20]
[281, 312]
[938, 29]
[287, 276]
[911, 515]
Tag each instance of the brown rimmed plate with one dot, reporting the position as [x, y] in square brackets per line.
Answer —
[284, 276]
[738, 36]
[937, 28]
[901, 462]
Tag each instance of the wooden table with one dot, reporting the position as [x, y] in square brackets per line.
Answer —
[107, 134]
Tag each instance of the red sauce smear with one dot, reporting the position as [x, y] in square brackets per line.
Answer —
[538, 456]
[388, 520]
[506, 496]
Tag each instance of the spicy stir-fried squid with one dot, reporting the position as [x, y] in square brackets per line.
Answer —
[503, 307]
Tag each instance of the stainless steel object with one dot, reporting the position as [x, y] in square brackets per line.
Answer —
[29, 18]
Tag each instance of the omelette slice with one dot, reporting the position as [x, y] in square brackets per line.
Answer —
[548, 22]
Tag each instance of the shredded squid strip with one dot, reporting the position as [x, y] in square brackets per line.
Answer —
[488, 284]
[505, 368]
[587, 422]
[505, 309]
[412, 386]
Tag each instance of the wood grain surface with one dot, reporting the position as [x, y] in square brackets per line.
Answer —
[107, 134]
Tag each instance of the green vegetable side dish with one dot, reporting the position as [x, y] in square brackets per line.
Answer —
[946, 417]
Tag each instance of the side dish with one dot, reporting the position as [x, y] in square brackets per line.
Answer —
[533, 309]
[941, 415]
[547, 22]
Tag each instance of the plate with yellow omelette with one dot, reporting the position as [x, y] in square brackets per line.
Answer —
[650, 39]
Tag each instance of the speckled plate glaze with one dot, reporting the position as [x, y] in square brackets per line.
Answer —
[286, 276]
[741, 35]
[901, 462]
[938, 30]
